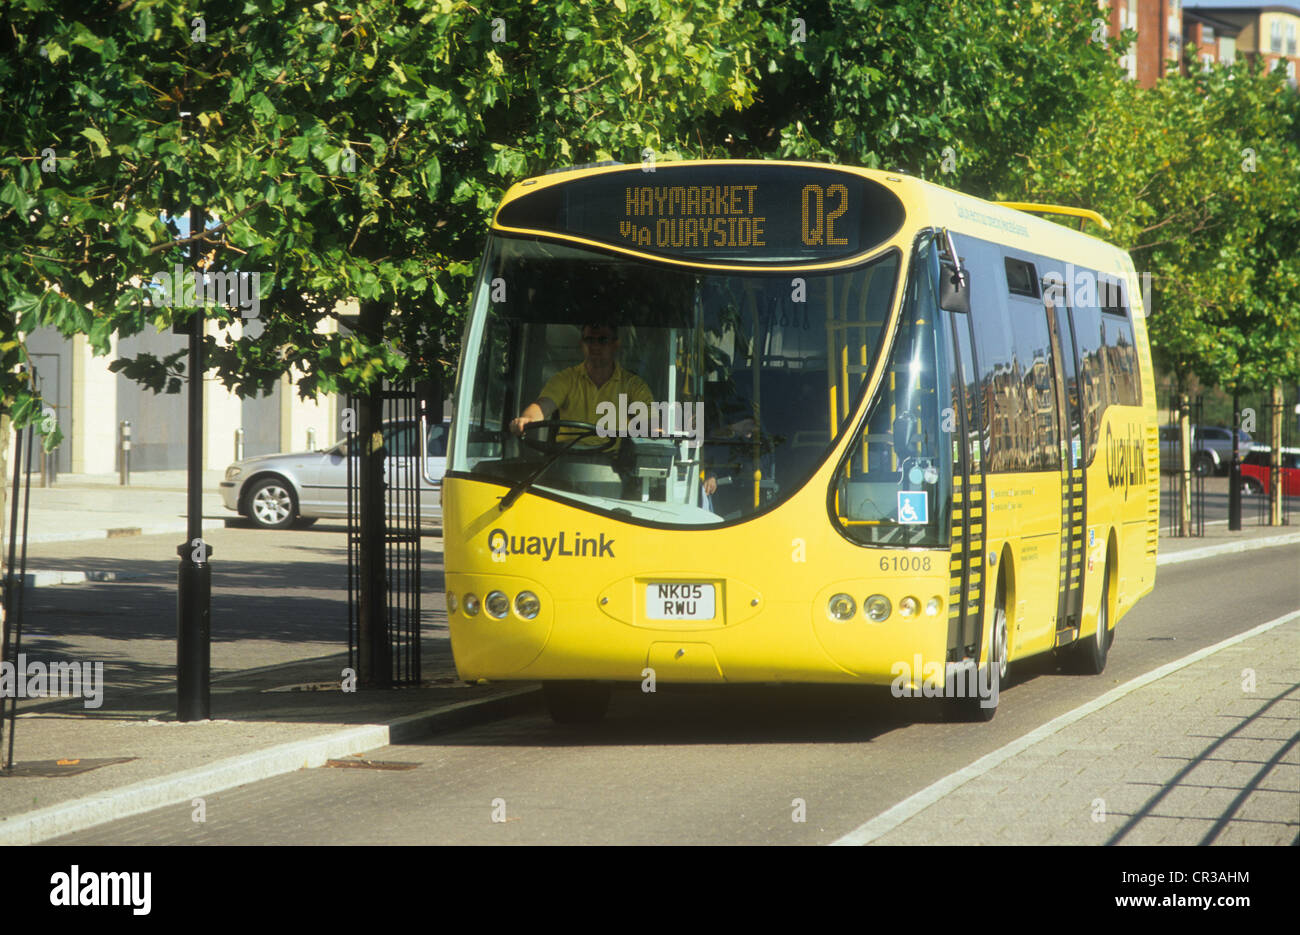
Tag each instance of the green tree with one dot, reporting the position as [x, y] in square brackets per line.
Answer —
[347, 150]
[947, 91]
[1200, 177]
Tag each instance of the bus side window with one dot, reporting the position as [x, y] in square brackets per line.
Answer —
[1001, 373]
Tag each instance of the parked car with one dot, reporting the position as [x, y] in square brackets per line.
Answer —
[275, 491]
[1254, 471]
[1211, 448]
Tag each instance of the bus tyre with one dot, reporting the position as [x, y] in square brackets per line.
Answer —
[576, 702]
[1090, 655]
[981, 705]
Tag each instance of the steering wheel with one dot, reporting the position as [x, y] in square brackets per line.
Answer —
[556, 446]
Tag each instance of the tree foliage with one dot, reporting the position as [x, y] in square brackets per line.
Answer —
[356, 151]
[1200, 177]
[347, 150]
[947, 91]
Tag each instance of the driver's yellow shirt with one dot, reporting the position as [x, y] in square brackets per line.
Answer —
[576, 396]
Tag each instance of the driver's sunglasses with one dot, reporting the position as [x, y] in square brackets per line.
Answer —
[601, 341]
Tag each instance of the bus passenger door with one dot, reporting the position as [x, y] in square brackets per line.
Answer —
[1073, 495]
[966, 560]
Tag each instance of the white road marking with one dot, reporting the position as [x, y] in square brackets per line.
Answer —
[891, 818]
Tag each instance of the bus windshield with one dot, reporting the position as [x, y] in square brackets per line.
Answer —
[729, 391]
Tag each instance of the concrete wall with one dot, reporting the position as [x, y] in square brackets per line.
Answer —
[90, 402]
[158, 420]
[94, 441]
[52, 356]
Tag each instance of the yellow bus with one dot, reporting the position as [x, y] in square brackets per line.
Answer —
[765, 422]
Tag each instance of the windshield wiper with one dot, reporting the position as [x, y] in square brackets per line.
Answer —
[509, 499]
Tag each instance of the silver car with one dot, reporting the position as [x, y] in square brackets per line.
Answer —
[1211, 448]
[275, 491]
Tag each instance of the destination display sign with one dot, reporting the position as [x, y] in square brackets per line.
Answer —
[744, 213]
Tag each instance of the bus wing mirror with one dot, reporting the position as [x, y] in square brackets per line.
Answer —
[428, 395]
[954, 279]
[954, 289]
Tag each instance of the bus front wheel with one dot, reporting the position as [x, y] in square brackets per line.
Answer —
[576, 702]
[979, 702]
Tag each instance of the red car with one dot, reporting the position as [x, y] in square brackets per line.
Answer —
[1254, 472]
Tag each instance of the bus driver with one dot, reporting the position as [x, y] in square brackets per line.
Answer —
[575, 393]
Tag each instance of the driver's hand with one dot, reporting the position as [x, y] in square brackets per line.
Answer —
[517, 426]
[710, 485]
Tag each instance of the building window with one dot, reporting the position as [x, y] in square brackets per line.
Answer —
[1290, 38]
[1207, 33]
[1128, 19]
[1290, 73]
[1275, 35]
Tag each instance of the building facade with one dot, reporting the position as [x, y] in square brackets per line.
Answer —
[90, 404]
[1264, 34]
[1218, 35]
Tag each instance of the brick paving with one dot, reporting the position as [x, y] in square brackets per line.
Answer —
[1191, 759]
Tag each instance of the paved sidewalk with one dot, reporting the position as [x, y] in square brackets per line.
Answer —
[1206, 754]
[93, 506]
[265, 722]
[1219, 540]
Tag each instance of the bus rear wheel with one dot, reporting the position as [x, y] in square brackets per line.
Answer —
[576, 702]
[1090, 656]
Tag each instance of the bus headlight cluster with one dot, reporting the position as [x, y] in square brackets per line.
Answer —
[877, 608]
[496, 605]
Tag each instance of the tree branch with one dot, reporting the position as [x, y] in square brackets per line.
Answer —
[207, 234]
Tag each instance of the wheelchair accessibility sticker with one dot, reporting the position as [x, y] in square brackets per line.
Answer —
[913, 506]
